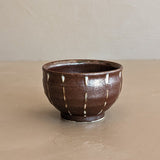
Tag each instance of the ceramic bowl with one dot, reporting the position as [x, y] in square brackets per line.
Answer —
[81, 89]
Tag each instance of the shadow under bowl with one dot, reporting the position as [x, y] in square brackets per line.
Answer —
[82, 89]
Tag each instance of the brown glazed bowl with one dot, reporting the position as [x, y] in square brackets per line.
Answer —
[82, 89]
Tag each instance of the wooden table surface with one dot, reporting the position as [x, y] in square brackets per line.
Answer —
[31, 129]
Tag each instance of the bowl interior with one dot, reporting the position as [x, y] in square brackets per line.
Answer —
[83, 67]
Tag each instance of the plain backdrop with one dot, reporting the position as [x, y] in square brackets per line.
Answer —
[60, 29]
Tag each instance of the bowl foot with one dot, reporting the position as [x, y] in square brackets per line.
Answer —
[82, 118]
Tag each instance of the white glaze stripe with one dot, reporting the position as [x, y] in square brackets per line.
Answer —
[86, 97]
[47, 77]
[64, 95]
[63, 91]
[107, 78]
[63, 78]
[120, 74]
[69, 113]
[86, 80]
[85, 105]
[100, 111]
[107, 93]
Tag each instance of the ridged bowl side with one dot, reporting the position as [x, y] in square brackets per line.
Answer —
[81, 95]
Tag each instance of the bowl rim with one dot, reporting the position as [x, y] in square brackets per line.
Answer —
[48, 65]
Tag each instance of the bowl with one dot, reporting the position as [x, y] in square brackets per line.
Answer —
[82, 89]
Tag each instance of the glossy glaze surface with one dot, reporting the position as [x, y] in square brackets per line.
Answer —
[82, 90]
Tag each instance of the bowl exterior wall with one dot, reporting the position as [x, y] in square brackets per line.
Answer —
[82, 95]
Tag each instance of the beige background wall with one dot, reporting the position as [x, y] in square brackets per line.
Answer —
[58, 29]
